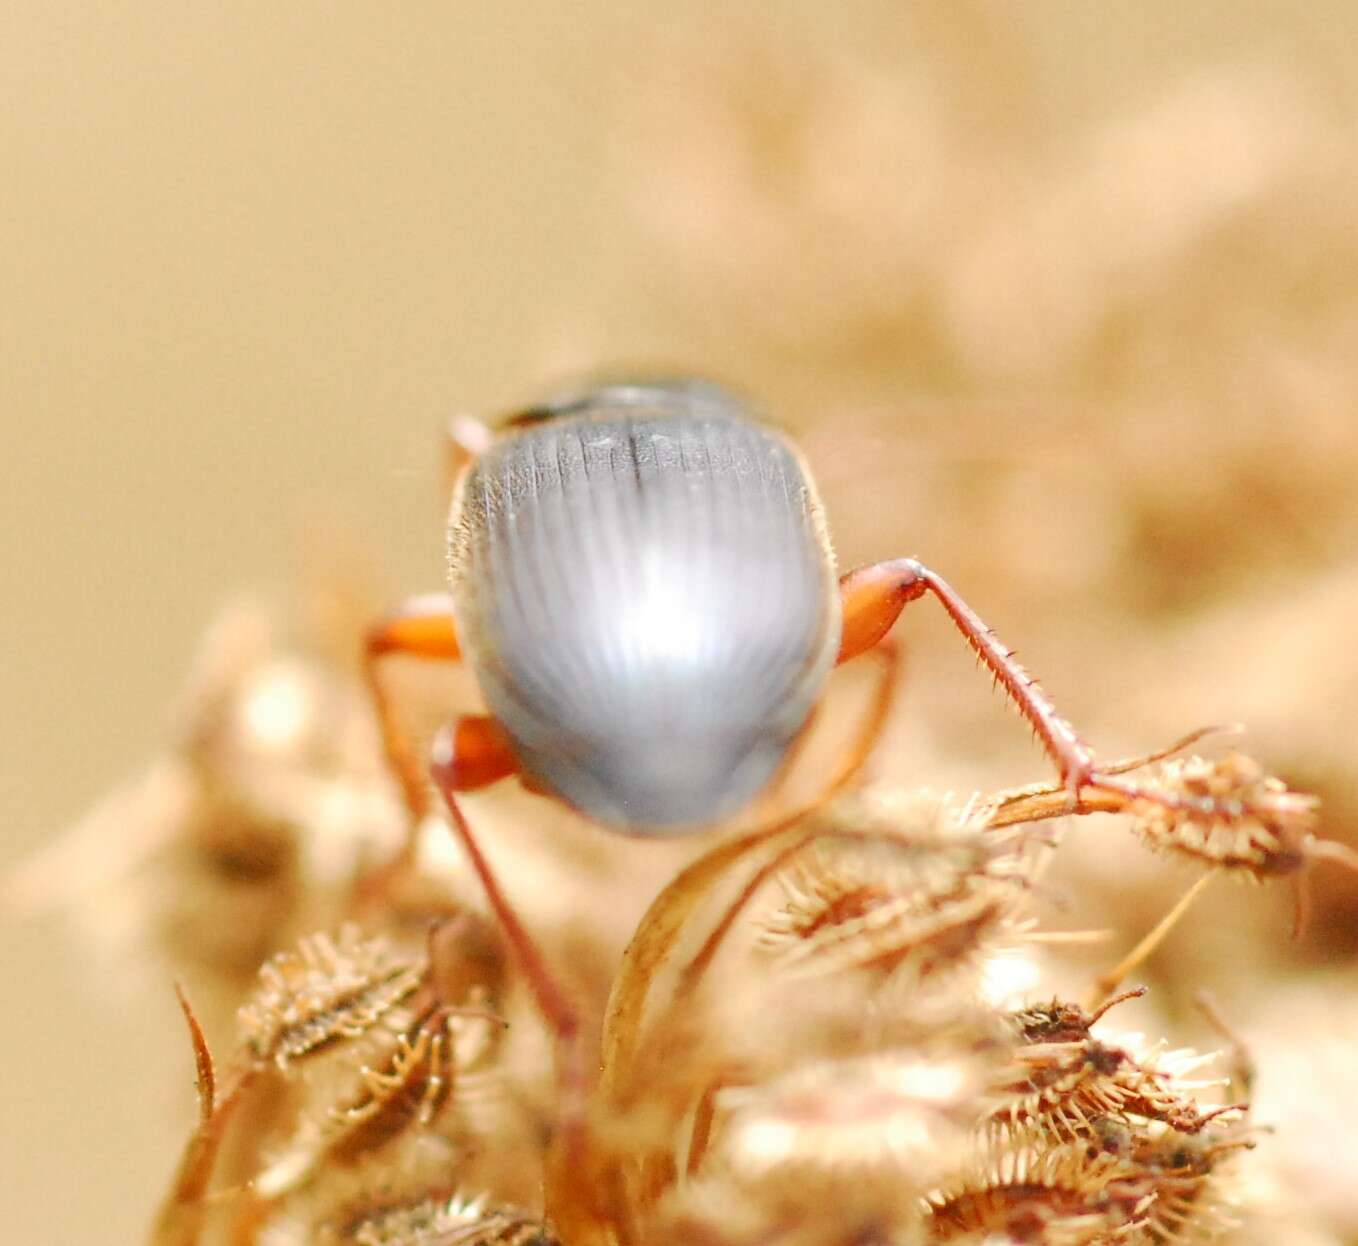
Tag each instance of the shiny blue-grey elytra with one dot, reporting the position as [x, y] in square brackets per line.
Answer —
[645, 591]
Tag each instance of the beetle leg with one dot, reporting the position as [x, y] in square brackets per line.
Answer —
[449, 771]
[856, 751]
[873, 598]
[874, 721]
[479, 753]
[422, 628]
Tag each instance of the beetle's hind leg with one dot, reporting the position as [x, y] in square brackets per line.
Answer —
[776, 808]
[873, 598]
[471, 752]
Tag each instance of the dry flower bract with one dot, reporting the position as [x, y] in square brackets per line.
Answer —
[802, 1046]
[807, 1041]
[325, 991]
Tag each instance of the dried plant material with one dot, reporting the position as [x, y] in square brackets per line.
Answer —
[740, 1106]
[654, 944]
[1056, 1196]
[445, 1058]
[1189, 1177]
[1228, 813]
[202, 1058]
[1064, 1022]
[438, 1221]
[924, 902]
[246, 831]
[921, 200]
[326, 990]
[184, 1210]
[1062, 1089]
[363, 1084]
[1236, 816]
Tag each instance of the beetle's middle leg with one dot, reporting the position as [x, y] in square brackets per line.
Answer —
[873, 598]
[855, 753]
[422, 627]
[469, 753]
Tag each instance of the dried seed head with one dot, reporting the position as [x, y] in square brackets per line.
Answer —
[909, 886]
[1065, 1195]
[1065, 1091]
[1233, 815]
[388, 1086]
[325, 990]
[437, 1221]
[1189, 1176]
[1063, 1022]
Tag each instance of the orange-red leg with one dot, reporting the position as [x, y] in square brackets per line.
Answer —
[453, 772]
[855, 753]
[469, 753]
[873, 598]
[423, 628]
[480, 752]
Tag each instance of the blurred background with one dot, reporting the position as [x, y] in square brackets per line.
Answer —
[1061, 298]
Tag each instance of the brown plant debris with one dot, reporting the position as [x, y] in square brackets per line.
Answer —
[909, 884]
[1236, 816]
[1063, 1089]
[325, 990]
[1058, 1196]
[448, 1220]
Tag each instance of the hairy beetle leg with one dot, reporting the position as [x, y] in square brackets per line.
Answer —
[873, 597]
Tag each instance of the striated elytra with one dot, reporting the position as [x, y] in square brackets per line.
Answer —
[644, 588]
[642, 583]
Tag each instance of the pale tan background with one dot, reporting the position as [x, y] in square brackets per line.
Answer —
[252, 254]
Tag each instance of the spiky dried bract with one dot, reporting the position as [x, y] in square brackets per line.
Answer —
[908, 884]
[1151, 1186]
[437, 1221]
[1064, 1195]
[359, 1109]
[404, 1095]
[326, 990]
[1235, 815]
[1069, 1090]
[1190, 1176]
[417, 1082]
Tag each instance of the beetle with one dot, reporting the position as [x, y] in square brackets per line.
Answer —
[641, 579]
[642, 582]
